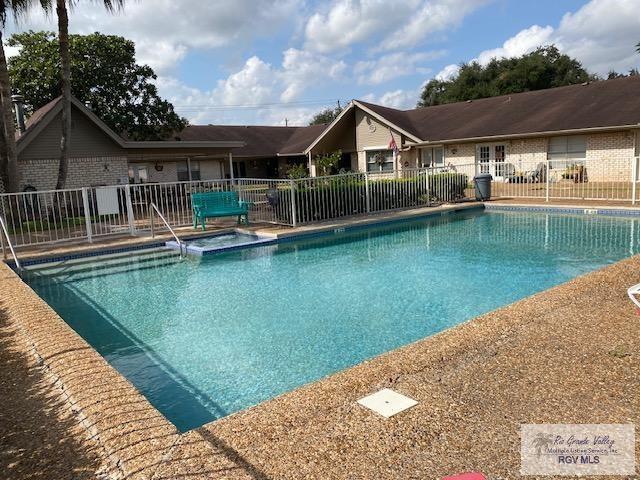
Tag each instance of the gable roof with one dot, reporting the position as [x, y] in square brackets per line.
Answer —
[45, 114]
[260, 140]
[597, 105]
[39, 114]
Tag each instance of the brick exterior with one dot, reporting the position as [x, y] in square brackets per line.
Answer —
[609, 156]
[83, 172]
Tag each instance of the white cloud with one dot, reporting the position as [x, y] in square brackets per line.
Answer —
[448, 72]
[388, 25]
[400, 99]
[393, 65]
[204, 107]
[602, 35]
[164, 30]
[523, 42]
[301, 69]
[253, 84]
[241, 97]
[434, 17]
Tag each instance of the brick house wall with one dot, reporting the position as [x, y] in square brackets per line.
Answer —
[609, 156]
[83, 172]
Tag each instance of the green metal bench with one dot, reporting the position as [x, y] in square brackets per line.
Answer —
[218, 204]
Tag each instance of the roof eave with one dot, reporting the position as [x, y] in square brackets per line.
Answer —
[165, 144]
[543, 133]
[328, 128]
[384, 120]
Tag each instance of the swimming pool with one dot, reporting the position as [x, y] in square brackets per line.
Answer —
[204, 337]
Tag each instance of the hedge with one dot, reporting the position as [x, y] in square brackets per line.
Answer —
[343, 196]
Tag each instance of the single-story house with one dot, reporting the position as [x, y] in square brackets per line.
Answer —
[99, 156]
[594, 125]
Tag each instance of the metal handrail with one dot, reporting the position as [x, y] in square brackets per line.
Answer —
[155, 207]
[6, 235]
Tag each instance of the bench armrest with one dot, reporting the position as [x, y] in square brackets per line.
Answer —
[242, 203]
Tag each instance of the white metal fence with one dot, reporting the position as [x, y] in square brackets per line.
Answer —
[43, 217]
[599, 179]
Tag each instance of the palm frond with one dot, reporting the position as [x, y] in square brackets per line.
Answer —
[20, 7]
[112, 5]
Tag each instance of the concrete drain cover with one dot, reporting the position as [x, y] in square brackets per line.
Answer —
[387, 403]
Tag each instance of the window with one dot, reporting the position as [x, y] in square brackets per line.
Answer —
[183, 171]
[572, 148]
[379, 160]
[433, 157]
[143, 175]
[138, 174]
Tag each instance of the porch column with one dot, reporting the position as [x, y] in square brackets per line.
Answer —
[312, 167]
[231, 166]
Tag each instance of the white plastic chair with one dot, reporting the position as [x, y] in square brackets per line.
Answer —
[633, 293]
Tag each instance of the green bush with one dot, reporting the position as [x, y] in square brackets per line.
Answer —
[346, 195]
[448, 187]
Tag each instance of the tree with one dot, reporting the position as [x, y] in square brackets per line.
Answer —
[104, 75]
[327, 115]
[543, 68]
[65, 72]
[8, 154]
[65, 76]
[613, 74]
[327, 162]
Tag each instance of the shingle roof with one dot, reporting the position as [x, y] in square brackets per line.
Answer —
[38, 115]
[260, 140]
[302, 138]
[599, 104]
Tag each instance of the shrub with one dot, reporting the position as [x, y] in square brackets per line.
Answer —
[297, 171]
[344, 195]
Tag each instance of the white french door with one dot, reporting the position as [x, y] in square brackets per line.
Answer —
[491, 159]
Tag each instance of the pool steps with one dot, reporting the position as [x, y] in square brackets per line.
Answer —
[114, 263]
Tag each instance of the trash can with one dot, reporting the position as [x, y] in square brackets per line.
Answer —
[483, 186]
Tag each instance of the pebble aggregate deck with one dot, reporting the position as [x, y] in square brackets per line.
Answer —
[570, 354]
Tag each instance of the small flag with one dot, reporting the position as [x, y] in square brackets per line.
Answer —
[393, 146]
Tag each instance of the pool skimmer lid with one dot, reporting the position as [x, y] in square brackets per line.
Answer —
[387, 403]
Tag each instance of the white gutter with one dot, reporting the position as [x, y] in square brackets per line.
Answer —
[545, 133]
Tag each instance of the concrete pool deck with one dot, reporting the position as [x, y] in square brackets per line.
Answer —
[570, 354]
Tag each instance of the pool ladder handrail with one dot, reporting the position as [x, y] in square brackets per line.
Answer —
[5, 234]
[153, 234]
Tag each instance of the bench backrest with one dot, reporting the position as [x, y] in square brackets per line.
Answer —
[215, 201]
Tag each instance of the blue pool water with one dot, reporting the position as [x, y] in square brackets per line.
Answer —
[205, 337]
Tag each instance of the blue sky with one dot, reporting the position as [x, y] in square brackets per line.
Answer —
[264, 61]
